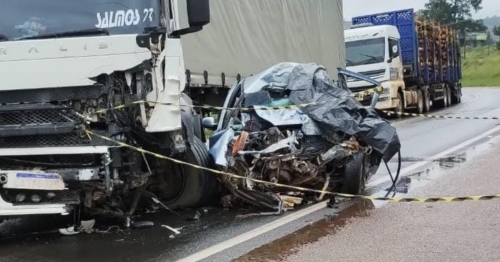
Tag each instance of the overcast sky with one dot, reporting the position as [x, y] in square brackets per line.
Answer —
[362, 7]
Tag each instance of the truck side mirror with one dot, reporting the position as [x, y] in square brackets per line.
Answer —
[393, 53]
[188, 16]
[209, 123]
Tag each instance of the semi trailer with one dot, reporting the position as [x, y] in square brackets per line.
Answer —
[65, 66]
[417, 61]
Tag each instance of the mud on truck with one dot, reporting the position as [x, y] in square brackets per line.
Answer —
[65, 66]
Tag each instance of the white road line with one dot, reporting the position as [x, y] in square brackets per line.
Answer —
[299, 214]
[253, 233]
[439, 155]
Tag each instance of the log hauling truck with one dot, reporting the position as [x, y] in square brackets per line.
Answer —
[66, 65]
[417, 61]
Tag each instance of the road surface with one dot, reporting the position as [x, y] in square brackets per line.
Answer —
[433, 151]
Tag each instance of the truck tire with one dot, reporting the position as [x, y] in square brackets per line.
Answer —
[456, 97]
[420, 102]
[400, 108]
[200, 187]
[448, 93]
[427, 101]
[354, 175]
[442, 103]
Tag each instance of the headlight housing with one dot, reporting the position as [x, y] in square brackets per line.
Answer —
[394, 74]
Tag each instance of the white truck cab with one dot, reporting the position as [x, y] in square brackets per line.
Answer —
[374, 52]
[61, 62]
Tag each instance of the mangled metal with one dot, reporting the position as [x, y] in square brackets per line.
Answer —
[306, 147]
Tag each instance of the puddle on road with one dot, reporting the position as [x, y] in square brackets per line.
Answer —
[286, 246]
[436, 168]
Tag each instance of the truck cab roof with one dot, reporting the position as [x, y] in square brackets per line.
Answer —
[370, 32]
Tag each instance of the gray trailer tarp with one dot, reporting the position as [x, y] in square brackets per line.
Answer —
[247, 36]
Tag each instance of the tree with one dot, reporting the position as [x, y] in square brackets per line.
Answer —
[496, 30]
[456, 13]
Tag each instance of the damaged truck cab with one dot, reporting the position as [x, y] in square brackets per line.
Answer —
[69, 67]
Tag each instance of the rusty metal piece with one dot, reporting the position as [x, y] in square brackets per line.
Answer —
[352, 145]
[240, 143]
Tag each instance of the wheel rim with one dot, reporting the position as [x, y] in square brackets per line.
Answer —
[172, 184]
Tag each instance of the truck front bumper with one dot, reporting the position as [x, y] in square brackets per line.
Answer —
[8, 209]
[29, 182]
[384, 103]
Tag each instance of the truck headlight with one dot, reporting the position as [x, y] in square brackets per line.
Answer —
[394, 74]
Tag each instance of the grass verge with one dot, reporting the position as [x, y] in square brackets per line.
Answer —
[480, 67]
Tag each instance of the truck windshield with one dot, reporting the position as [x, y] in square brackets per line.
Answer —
[362, 52]
[29, 18]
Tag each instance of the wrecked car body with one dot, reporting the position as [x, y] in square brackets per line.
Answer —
[328, 141]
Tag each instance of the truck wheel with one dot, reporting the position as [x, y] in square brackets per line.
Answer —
[456, 97]
[427, 101]
[354, 175]
[193, 187]
[442, 103]
[400, 107]
[420, 102]
[448, 93]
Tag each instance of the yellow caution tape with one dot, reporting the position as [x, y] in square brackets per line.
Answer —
[303, 189]
[440, 116]
[361, 94]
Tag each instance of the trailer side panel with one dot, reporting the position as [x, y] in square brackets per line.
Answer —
[246, 37]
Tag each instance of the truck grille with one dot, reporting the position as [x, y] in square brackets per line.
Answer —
[63, 140]
[44, 141]
[37, 117]
[361, 88]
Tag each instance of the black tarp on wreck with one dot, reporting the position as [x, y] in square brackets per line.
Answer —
[334, 110]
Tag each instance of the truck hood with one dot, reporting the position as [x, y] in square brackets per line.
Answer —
[65, 62]
[377, 72]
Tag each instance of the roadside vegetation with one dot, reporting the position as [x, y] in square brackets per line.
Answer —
[481, 67]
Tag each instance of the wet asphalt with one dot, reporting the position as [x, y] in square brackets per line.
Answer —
[458, 231]
[421, 138]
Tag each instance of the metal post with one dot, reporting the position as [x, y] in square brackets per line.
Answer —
[465, 48]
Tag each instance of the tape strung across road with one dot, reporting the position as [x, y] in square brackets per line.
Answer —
[440, 116]
[291, 107]
[303, 189]
[244, 109]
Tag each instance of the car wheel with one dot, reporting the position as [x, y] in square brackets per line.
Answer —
[354, 175]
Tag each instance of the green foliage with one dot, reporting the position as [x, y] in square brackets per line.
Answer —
[496, 30]
[498, 46]
[457, 13]
[479, 67]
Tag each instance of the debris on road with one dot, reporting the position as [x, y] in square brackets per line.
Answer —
[86, 226]
[175, 230]
[143, 224]
[334, 143]
[157, 201]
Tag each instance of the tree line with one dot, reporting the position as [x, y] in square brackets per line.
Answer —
[457, 14]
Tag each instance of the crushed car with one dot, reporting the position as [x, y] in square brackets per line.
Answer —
[293, 124]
